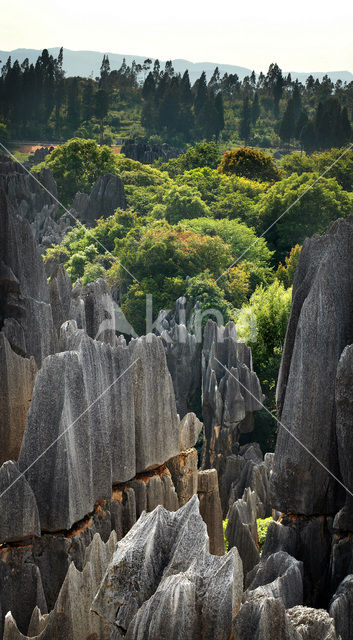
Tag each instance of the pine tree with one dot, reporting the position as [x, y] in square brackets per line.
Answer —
[219, 124]
[301, 122]
[255, 109]
[287, 126]
[101, 109]
[149, 88]
[201, 93]
[297, 100]
[245, 122]
[308, 137]
[73, 104]
[87, 104]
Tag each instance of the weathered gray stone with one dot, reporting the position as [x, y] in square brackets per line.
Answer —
[183, 354]
[21, 585]
[25, 313]
[231, 392]
[344, 429]
[99, 312]
[60, 288]
[183, 469]
[19, 514]
[319, 328]
[307, 540]
[211, 510]
[148, 153]
[341, 608]
[17, 381]
[131, 428]
[190, 428]
[164, 559]
[312, 624]
[277, 576]
[241, 531]
[264, 619]
[71, 616]
[106, 196]
[156, 424]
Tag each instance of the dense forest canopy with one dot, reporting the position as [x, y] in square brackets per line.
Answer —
[193, 227]
[159, 105]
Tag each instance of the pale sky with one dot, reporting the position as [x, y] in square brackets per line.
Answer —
[300, 36]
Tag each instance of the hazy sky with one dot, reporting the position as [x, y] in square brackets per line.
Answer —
[300, 36]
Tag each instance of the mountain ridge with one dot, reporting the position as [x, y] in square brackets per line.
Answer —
[87, 62]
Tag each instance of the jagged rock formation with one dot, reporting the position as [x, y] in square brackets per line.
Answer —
[32, 203]
[25, 313]
[210, 509]
[136, 399]
[183, 469]
[277, 576]
[39, 155]
[319, 328]
[106, 196]
[148, 153]
[344, 429]
[231, 392]
[341, 608]
[18, 508]
[314, 400]
[17, 381]
[272, 605]
[71, 616]
[183, 352]
[162, 581]
[241, 470]
[241, 531]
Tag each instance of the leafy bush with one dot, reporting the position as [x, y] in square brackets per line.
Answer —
[262, 323]
[262, 526]
[226, 544]
[313, 207]
[184, 202]
[203, 154]
[76, 165]
[285, 273]
[249, 163]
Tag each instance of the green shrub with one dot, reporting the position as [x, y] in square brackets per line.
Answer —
[262, 526]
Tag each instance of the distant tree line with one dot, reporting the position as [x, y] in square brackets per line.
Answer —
[171, 104]
[38, 101]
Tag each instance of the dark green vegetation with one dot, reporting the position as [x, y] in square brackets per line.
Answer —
[160, 105]
[192, 229]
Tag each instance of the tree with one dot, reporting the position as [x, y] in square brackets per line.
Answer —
[249, 163]
[87, 100]
[73, 104]
[310, 209]
[182, 203]
[219, 121]
[76, 165]
[203, 154]
[308, 137]
[285, 273]
[255, 109]
[245, 122]
[101, 100]
[287, 126]
[201, 94]
[266, 315]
